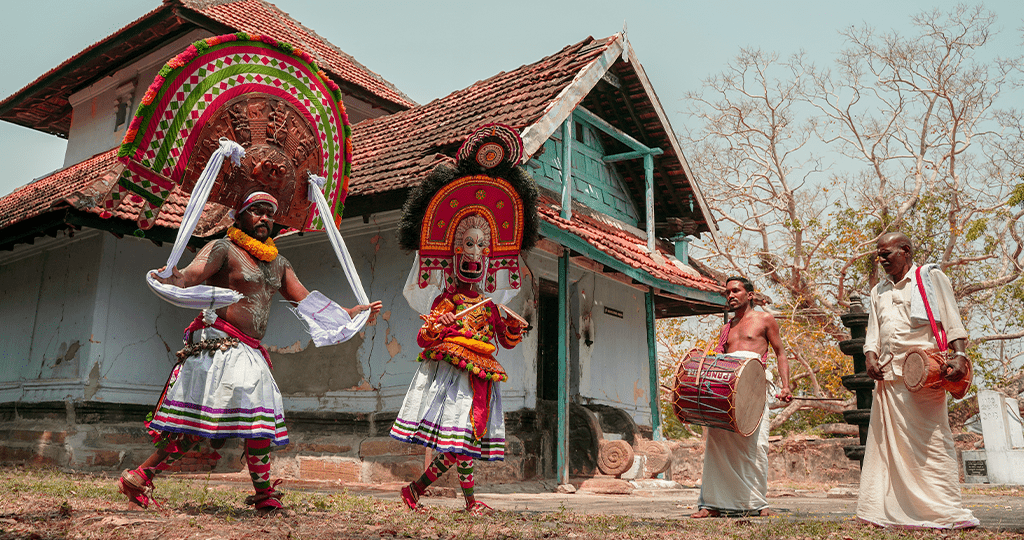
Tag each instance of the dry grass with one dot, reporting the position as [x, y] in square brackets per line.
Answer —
[46, 504]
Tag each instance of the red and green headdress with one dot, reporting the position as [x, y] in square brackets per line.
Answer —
[487, 184]
[267, 96]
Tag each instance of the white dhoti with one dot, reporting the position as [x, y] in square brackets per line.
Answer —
[735, 478]
[910, 477]
[222, 394]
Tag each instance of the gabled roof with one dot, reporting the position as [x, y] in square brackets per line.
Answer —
[394, 152]
[43, 104]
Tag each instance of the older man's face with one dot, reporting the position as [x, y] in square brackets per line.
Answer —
[895, 259]
[257, 221]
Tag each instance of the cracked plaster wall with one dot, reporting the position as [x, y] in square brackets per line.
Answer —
[613, 369]
[125, 338]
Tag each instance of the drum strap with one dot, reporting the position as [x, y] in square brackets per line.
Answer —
[937, 331]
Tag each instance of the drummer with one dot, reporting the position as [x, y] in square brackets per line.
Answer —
[735, 478]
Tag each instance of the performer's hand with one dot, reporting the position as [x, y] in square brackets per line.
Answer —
[785, 394]
[873, 368]
[956, 367]
[446, 319]
[374, 310]
[176, 278]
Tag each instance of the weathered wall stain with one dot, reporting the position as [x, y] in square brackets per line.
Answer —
[94, 382]
[314, 371]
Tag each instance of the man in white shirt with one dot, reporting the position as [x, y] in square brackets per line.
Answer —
[910, 476]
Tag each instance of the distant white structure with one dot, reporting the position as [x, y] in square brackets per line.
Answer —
[1002, 460]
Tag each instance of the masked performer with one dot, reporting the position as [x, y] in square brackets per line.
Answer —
[282, 129]
[468, 222]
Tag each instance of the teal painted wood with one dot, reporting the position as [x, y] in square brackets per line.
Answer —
[579, 245]
[652, 362]
[567, 182]
[595, 183]
[562, 444]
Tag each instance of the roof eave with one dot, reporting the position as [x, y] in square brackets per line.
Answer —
[569, 98]
[7, 107]
[630, 57]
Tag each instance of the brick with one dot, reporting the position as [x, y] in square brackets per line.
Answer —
[313, 468]
[380, 472]
[319, 448]
[103, 458]
[388, 447]
[41, 437]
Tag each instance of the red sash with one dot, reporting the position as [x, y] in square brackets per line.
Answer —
[229, 329]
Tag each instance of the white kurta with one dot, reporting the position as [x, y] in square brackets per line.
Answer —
[910, 476]
[735, 478]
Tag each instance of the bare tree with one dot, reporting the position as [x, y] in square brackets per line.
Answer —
[805, 167]
[938, 159]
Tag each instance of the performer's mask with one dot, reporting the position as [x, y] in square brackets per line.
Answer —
[472, 247]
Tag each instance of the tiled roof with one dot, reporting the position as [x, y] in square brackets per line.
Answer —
[395, 151]
[52, 191]
[43, 103]
[626, 246]
[261, 17]
[83, 185]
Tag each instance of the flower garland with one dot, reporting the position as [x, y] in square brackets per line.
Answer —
[264, 251]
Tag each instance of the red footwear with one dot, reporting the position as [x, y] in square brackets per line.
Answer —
[136, 486]
[411, 497]
[478, 508]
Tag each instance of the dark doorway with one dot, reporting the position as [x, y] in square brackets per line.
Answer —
[547, 341]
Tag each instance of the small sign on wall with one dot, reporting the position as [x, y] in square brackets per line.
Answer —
[613, 312]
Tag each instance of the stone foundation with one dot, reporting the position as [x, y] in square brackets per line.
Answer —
[338, 447]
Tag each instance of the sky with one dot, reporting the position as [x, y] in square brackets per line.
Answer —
[430, 49]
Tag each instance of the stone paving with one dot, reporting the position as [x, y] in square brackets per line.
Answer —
[996, 512]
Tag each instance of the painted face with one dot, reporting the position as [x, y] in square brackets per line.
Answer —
[471, 252]
[257, 221]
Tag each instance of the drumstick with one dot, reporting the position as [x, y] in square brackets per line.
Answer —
[471, 308]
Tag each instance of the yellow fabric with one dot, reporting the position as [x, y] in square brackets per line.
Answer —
[474, 345]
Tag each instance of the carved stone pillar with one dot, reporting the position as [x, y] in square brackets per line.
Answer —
[857, 321]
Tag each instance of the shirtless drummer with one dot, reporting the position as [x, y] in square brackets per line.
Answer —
[735, 479]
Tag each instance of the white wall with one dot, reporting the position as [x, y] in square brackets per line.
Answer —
[72, 328]
[92, 126]
[614, 369]
[90, 291]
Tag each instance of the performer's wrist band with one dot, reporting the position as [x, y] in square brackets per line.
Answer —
[958, 353]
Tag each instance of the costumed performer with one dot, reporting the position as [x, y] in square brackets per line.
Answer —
[735, 477]
[468, 222]
[910, 476]
[280, 121]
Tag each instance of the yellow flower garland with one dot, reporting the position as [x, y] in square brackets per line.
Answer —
[264, 251]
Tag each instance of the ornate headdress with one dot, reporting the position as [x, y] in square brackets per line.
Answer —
[486, 191]
[268, 97]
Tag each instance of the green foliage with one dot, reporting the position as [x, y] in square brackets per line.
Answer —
[806, 421]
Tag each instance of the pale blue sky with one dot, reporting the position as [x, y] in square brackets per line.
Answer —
[429, 49]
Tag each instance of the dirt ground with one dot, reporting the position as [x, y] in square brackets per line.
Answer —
[48, 504]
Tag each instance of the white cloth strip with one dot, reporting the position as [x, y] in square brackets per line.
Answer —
[316, 194]
[917, 311]
[316, 185]
[198, 296]
[327, 322]
[197, 201]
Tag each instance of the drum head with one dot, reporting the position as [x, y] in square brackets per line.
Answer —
[915, 371]
[751, 388]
